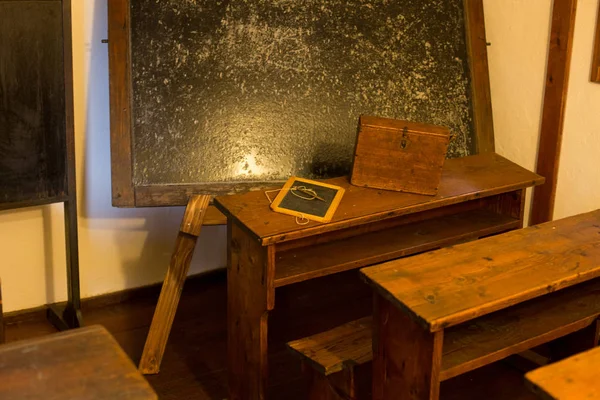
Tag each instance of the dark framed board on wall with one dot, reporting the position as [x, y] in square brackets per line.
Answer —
[37, 150]
[216, 97]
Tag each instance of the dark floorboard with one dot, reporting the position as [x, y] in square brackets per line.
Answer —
[194, 365]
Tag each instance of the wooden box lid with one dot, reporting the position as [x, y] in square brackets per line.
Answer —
[399, 155]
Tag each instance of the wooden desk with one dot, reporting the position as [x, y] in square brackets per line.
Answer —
[478, 196]
[450, 311]
[575, 378]
[84, 363]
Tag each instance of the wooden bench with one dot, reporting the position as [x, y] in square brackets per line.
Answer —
[85, 363]
[337, 363]
[332, 359]
[574, 378]
[447, 312]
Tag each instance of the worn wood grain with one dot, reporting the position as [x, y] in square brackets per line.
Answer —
[453, 285]
[85, 363]
[120, 87]
[170, 294]
[574, 378]
[251, 291]
[399, 155]
[596, 55]
[371, 248]
[553, 111]
[402, 371]
[463, 179]
[480, 76]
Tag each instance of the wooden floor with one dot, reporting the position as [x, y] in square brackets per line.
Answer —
[194, 366]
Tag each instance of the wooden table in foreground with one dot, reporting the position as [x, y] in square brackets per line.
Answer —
[575, 378]
[84, 363]
[478, 196]
[447, 312]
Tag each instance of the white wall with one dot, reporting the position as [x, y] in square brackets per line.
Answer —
[578, 188]
[123, 248]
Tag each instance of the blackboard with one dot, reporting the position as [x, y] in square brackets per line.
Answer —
[224, 96]
[37, 146]
[32, 103]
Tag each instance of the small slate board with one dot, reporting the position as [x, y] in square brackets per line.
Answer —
[295, 199]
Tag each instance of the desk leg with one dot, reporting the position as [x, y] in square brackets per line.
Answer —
[406, 358]
[250, 297]
[164, 314]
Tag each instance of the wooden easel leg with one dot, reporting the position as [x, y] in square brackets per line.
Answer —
[406, 357]
[250, 297]
[2, 337]
[179, 266]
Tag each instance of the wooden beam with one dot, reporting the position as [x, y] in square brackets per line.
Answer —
[553, 113]
[119, 59]
[480, 76]
[164, 314]
[596, 57]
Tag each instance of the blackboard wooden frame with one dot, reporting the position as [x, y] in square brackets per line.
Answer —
[126, 194]
[68, 316]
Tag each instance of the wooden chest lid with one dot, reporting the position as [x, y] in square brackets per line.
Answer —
[395, 124]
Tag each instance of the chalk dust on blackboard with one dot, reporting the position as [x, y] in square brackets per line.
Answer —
[255, 90]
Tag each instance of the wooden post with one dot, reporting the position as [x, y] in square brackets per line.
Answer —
[553, 113]
[164, 314]
[406, 357]
[250, 297]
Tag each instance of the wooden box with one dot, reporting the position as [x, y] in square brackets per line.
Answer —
[399, 155]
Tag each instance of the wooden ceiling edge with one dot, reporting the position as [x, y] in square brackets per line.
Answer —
[554, 106]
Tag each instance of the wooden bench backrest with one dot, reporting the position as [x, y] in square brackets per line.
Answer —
[453, 285]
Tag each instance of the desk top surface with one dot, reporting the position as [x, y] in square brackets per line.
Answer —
[574, 378]
[456, 284]
[463, 179]
[84, 363]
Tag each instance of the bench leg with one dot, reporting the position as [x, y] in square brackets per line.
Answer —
[576, 342]
[250, 297]
[406, 358]
[164, 314]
